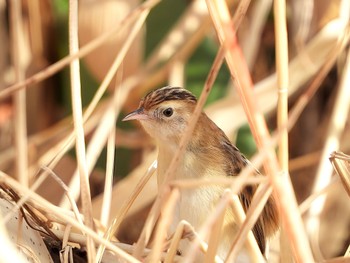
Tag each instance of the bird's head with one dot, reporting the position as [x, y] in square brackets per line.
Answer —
[164, 113]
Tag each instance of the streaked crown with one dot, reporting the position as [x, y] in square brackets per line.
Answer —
[167, 93]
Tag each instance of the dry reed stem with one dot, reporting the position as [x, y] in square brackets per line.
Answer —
[86, 49]
[281, 51]
[334, 131]
[222, 22]
[150, 223]
[81, 239]
[251, 37]
[79, 126]
[240, 13]
[282, 185]
[113, 228]
[65, 245]
[257, 205]
[175, 240]
[282, 79]
[73, 204]
[35, 29]
[60, 214]
[165, 219]
[22, 200]
[185, 230]
[217, 180]
[108, 185]
[252, 245]
[110, 164]
[20, 119]
[215, 236]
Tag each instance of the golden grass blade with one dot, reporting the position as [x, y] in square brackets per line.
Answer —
[110, 165]
[18, 54]
[149, 224]
[79, 127]
[107, 190]
[250, 38]
[175, 240]
[73, 204]
[252, 245]
[65, 244]
[215, 237]
[281, 41]
[259, 200]
[165, 219]
[282, 80]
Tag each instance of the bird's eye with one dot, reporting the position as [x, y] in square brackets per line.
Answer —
[168, 112]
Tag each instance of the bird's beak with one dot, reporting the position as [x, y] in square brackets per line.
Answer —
[138, 114]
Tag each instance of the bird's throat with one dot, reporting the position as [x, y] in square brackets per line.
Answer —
[165, 156]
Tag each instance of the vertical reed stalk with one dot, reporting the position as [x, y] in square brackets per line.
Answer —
[78, 125]
[282, 80]
[281, 41]
[20, 121]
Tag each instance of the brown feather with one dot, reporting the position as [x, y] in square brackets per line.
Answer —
[233, 162]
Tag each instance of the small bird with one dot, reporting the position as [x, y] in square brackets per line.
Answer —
[164, 114]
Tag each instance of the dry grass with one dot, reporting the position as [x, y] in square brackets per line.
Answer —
[92, 129]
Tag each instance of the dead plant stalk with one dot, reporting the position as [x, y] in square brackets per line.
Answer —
[78, 126]
[19, 97]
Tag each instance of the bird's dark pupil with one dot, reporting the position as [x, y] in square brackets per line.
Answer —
[168, 112]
